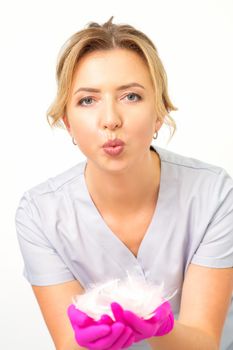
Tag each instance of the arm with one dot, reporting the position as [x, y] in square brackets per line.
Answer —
[53, 302]
[205, 301]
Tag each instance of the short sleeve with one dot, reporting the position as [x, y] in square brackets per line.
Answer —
[42, 264]
[216, 247]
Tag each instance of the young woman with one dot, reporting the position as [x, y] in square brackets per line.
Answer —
[131, 205]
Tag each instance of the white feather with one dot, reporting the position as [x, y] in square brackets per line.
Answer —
[132, 293]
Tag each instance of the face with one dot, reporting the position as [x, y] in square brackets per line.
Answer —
[117, 102]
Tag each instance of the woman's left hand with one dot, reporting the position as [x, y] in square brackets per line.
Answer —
[161, 323]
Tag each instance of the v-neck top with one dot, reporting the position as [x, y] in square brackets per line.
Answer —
[63, 237]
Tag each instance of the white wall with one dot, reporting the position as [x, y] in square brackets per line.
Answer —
[194, 40]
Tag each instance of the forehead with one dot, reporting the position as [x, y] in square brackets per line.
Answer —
[116, 66]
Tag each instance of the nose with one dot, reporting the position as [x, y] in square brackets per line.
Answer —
[111, 118]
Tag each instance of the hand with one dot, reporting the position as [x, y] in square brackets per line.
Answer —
[161, 323]
[104, 334]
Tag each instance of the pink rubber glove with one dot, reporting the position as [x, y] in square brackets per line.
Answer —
[104, 334]
[161, 323]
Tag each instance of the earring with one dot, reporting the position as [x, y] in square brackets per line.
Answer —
[73, 141]
[155, 136]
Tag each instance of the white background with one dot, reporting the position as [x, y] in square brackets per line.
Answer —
[194, 40]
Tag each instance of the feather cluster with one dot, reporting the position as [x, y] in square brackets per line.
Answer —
[132, 293]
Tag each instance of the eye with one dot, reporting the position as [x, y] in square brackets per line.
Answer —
[86, 101]
[133, 99]
[88, 98]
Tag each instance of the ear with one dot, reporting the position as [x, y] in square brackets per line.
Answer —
[158, 124]
[66, 122]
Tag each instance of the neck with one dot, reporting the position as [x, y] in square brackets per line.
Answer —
[126, 192]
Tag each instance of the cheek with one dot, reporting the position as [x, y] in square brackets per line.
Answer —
[143, 129]
[83, 126]
[84, 133]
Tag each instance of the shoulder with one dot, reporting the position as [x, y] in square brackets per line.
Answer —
[187, 163]
[189, 171]
[196, 184]
[58, 182]
[52, 188]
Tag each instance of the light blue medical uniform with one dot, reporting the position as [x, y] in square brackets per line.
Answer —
[62, 235]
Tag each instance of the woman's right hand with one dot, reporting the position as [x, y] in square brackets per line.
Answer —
[104, 334]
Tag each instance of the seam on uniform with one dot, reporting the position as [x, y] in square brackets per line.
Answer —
[163, 153]
[75, 178]
[49, 181]
[194, 167]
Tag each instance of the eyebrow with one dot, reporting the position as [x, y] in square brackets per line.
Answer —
[122, 87]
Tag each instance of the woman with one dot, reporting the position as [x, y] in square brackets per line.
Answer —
[131, 205]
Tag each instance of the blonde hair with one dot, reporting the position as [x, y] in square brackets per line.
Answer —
[106, 37]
